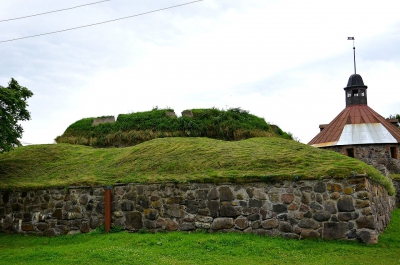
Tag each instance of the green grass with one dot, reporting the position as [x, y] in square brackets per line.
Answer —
[178, 160]
[196, 248]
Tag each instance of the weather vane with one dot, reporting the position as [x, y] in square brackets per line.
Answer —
[354, 53]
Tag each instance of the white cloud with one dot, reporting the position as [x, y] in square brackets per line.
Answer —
[286, 61]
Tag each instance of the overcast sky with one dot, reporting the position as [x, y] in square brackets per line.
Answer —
[285, 61]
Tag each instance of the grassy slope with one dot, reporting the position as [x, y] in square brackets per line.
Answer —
[196, 248]
[175, 159]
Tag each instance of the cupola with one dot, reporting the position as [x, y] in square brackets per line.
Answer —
[356, 91]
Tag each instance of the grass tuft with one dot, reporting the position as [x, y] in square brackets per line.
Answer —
[395, 176]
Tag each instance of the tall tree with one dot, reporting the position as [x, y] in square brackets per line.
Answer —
[12, 110]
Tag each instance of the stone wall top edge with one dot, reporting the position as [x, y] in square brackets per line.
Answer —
[183, 183]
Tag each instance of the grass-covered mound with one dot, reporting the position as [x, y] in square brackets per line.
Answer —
[131, 129]
[177, 159]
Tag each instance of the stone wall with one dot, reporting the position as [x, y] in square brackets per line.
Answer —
[333, 209]
[101, 120]
[396, 183]
[377, 155]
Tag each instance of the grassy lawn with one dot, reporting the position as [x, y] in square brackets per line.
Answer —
[196, 248]
[176, 159]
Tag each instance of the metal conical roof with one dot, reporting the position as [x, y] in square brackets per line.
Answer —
[355, 80]
[357, 124]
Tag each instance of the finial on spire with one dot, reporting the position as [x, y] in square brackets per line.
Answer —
[354, 52]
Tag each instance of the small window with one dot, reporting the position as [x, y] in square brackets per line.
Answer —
[393, 152]
[362, 93]
[355, 93]
[349, 95]
[350, 152]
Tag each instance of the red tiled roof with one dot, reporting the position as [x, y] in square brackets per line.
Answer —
[354, 114]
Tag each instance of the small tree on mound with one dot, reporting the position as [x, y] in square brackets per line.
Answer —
[395, 116]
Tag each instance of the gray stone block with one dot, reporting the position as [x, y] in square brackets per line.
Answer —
[226, 194]
[333, 230]
[345, 204]
[222, 223]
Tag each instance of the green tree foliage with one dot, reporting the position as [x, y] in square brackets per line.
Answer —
[395, 116]
[12, 110]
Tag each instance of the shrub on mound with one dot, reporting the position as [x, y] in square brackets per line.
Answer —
[134, 128]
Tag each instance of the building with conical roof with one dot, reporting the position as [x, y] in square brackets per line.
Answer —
[360, 132]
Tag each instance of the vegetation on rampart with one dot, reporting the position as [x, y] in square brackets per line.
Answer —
[395, 176]
[177, 159]
[131, 129]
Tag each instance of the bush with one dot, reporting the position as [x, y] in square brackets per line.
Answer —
[134, 128]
